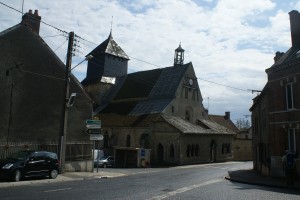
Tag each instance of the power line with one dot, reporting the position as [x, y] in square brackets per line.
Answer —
[245, 90]
[65, 32]
[53, 77]
[128, 55]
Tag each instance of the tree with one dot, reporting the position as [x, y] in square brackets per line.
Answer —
[242, 124]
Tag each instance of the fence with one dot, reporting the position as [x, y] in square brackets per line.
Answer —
[75, 151]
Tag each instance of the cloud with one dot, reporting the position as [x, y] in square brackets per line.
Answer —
[230, 42]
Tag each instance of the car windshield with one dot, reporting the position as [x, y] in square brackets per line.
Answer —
[19, 155]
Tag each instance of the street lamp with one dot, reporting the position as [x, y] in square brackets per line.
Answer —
[67, 102]
[89, 57]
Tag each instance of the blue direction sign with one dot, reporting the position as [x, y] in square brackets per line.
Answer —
[93, 121]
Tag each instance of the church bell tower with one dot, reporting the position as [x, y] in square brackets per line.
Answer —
[179, 56]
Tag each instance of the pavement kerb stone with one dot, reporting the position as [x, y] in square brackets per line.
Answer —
[68, 176]
[260, 183]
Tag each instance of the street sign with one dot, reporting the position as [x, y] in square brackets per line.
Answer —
[96, 137]
[93, 131]
[93, 126]
[142, 152]
[93, 121]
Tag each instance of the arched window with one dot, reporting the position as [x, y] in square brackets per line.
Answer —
[145, 141]
[128, 141]
[172, 151]
[193, 150]
[187, 115]
[188, 151]
[197, 150]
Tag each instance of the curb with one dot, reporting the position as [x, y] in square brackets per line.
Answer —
[259, 183]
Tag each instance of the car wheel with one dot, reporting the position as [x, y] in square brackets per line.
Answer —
[104, 165]
[53, 174]
[16, 176]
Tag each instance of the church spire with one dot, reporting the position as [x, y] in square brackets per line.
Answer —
[179, 56]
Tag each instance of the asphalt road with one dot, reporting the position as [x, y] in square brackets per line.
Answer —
[185, 182]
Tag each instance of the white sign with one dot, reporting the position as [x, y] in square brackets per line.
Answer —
[93, 126]
[96, 137]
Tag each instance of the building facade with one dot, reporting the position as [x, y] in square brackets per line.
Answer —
[242, 146]
[32, 82]
[276, 111]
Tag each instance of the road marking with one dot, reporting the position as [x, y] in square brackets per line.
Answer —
[225, 168]
[185, 189]
[63, 189]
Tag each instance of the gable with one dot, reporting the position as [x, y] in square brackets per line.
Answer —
[38, 89]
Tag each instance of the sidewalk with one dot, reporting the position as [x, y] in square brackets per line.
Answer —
[68, 176]
[249, 176]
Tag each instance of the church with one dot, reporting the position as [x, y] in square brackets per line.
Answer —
[160, 110]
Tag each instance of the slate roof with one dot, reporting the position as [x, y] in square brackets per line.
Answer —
[139, 99]
[144, 92]
[186, 127]
[109, 46]
[288, 59]
[224, 122]
[116, 120]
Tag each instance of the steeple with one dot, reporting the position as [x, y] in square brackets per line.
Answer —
[109, 60]
[179, 56]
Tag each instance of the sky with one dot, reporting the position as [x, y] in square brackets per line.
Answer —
[229, 42]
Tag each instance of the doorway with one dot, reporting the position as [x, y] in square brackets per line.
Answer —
[160, 154]
[213, 151]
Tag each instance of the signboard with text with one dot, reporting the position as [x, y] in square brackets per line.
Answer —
[96, 137]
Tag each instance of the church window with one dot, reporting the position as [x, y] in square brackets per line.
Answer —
[187, 115]
[172, 151]
[128, 141]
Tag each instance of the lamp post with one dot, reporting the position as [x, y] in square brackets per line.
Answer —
[64, 114]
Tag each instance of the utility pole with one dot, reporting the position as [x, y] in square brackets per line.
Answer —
[64, 112]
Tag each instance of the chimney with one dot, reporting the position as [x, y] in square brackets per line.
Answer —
[295, 27]
[32, 20]
[227, 115]
[278, 55]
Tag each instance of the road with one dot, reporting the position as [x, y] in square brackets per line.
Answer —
[184, 182]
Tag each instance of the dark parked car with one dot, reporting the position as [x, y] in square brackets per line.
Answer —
[29, 163]
[105, 162]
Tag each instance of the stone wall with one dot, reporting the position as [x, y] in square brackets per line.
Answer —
[243, 149]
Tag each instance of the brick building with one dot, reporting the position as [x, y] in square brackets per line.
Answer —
[276, 111]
